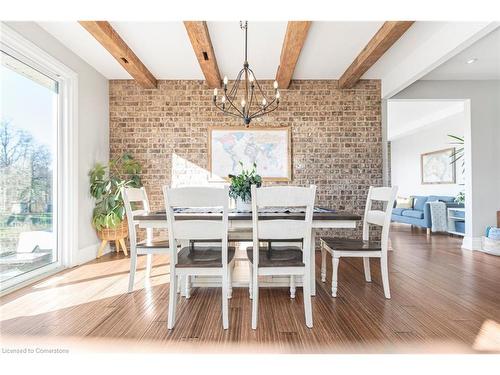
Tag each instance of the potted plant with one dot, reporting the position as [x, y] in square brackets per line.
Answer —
[106, 181]
[240, 189]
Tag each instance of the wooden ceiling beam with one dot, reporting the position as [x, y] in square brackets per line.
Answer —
[202, 46]
[116, 46]
[385, 37]
[295, 36]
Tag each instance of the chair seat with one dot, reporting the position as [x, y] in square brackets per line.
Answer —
[279, 256]
[157, 243]
[203, 257]
[348, 244]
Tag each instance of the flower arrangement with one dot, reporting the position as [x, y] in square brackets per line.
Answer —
[240, 188]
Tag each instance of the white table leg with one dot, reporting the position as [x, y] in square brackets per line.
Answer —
[313, 263]
[183, 280]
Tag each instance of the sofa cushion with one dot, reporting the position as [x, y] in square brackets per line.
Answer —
[398, 211]
[441, 198]
[413, 213]
[419, 202]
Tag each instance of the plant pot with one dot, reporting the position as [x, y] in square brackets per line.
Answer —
[113, 234]
[243, 206]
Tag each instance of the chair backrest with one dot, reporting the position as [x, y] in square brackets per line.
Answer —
[132, 196]
[195, 229]
[283, 229]
[382, 218]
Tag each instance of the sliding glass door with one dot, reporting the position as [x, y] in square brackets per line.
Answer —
[29, 112]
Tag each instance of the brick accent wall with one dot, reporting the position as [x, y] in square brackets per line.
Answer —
[336, 135]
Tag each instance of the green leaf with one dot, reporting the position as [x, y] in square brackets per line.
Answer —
[105, 187]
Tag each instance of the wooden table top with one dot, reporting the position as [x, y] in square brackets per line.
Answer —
[319, 214]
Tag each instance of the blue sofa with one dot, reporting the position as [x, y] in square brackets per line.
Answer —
[420, 214]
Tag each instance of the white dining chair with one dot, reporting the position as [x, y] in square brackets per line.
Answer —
[149, 246]
[365, 248]
[286, 259]
[211, 256]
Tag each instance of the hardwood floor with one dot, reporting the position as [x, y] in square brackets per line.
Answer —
[441, 297]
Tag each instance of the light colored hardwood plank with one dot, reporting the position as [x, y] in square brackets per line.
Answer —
[116, 46]
[385, 37]
[441, 297]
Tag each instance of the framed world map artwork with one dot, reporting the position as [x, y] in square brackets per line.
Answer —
[269, 148]
[437, 167]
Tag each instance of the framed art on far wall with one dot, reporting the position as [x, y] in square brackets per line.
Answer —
[269, 148]
[437, 168]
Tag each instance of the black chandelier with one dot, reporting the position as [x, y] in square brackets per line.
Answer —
[254, 103]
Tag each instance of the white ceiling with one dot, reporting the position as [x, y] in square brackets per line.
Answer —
[330, 47]
[165, 49]
[264, 47]
[487, 66]
[404, 117]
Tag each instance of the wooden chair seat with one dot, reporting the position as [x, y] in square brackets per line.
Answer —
[348, 244]
[205, 257]
[153, 244]
[279, 256]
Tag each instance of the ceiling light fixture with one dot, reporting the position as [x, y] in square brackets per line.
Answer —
[471, 61]
[253, 103]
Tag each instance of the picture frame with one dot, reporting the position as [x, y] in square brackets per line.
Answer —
[436, 167]
[277, 141]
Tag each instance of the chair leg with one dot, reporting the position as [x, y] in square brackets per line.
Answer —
[323, 264]
[366, 265]
[335, 272]
[307, 299]
[225, 293]
[178, 287]
[292, 286]
[172, 301]
[188, 287]
[149, 260]
[133, 268]
[385, 276]
[255, 299]
[230, 280]
[250, 280]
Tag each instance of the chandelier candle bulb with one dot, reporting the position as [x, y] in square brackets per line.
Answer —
[275, 85]
[225, 80]
[243, 103]
[215, 92]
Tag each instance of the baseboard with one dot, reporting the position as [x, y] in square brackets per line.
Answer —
[471, 243]
[86, 254]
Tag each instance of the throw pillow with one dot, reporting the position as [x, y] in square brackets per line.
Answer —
[404, 202]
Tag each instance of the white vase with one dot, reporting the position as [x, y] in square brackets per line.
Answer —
[243, 206]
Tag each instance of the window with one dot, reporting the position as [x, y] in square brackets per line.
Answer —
[36, 175]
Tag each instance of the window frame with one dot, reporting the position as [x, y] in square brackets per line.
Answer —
[66, 189]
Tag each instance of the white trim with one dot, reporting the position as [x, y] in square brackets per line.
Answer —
[89, 253]
[67, 189]
[471, 243]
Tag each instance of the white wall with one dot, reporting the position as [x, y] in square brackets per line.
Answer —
[93, 125]
[483, 170]
[406, 151]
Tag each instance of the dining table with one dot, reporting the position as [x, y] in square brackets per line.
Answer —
[240, 222]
